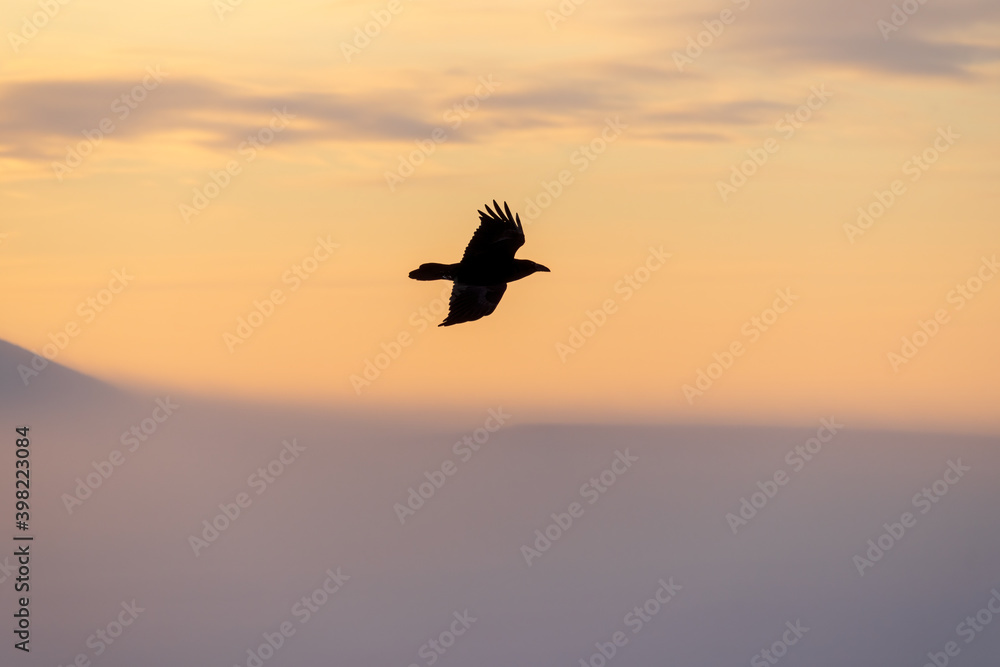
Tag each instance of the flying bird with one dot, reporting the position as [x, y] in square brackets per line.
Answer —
[486, 267]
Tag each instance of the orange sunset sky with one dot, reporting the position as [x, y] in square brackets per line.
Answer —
[218, 154]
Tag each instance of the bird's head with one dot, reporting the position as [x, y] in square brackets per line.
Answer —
[525, 267]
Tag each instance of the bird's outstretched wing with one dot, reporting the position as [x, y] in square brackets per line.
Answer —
[470, 302]
[499, 236]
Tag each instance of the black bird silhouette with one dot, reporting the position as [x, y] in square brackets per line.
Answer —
[486, 267]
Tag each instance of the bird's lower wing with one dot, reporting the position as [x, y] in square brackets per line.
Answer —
[470, 302]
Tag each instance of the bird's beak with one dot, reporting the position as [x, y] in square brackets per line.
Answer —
[539, 267]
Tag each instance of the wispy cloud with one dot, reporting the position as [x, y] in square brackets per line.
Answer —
[38, 119]
[935, 41]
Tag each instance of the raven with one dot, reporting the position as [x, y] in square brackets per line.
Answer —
[486, 267]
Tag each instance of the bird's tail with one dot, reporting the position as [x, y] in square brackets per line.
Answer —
[433, 271]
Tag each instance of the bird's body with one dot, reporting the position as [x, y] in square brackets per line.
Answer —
[486, 267]
[487, 273]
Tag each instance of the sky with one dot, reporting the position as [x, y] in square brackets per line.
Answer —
[760, 378]
[753, 211]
